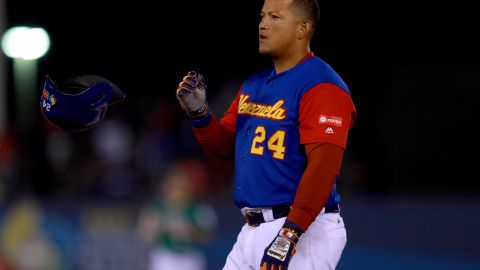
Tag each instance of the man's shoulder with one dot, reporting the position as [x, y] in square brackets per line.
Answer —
[317, 65]
[319, 71]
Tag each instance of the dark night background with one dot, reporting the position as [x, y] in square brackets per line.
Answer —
[410, 181]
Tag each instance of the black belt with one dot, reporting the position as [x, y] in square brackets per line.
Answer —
[254, 217]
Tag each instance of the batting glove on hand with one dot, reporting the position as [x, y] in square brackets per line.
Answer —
[191, 93]
[278, 254]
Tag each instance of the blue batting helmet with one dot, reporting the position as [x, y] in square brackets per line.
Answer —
[78, 103]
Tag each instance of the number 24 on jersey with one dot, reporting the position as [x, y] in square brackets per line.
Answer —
[275, 143]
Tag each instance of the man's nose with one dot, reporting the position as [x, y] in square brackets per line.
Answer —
[262, 25]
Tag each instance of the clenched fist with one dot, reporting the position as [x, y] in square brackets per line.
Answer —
[191, 93]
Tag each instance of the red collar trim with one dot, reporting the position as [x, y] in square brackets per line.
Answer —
[305, 57]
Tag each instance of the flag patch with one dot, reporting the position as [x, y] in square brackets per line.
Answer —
[45, 94]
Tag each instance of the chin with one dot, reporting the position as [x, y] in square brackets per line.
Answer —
[263, 51]
[267, 53]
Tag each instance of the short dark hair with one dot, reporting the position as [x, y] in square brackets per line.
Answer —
[307, 10]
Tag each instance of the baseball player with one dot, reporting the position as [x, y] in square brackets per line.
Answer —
[287, 130]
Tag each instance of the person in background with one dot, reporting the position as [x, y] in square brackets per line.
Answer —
[176, 223]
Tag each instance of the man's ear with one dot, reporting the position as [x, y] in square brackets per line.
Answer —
[305, 29]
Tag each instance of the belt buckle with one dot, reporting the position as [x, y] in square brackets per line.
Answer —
[250, 213]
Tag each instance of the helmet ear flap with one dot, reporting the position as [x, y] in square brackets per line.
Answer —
[102, 96]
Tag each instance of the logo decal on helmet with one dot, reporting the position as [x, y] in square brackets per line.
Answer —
[52, 100]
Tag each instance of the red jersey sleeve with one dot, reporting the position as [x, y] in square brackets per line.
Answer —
[218, 137]
[326, 114]
[324, 161]
[229, 119]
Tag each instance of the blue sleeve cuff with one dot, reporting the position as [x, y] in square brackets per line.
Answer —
[202, 122]
[293, 226]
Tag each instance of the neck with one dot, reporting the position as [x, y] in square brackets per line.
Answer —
[289, 60]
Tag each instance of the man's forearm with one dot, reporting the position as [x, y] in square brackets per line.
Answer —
[215, 140]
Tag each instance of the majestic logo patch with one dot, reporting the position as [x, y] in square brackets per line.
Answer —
[330, 120]
[329, 130]
[275, 111]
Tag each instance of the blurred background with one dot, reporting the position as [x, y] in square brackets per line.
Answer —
[410, 180]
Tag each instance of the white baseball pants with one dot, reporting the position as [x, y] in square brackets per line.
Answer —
[319, 248]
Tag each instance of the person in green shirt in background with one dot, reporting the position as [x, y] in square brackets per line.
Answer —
[176, 222]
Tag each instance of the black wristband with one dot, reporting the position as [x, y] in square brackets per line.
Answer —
[199, 113]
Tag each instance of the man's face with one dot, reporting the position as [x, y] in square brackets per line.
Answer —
[278, 28]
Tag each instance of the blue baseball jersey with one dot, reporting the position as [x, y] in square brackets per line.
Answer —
[276, 115]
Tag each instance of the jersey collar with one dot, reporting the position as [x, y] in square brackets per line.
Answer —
[273, 74]
[305, 57]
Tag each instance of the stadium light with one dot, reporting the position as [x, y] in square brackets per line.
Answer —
[25, 42]
[25, 45]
